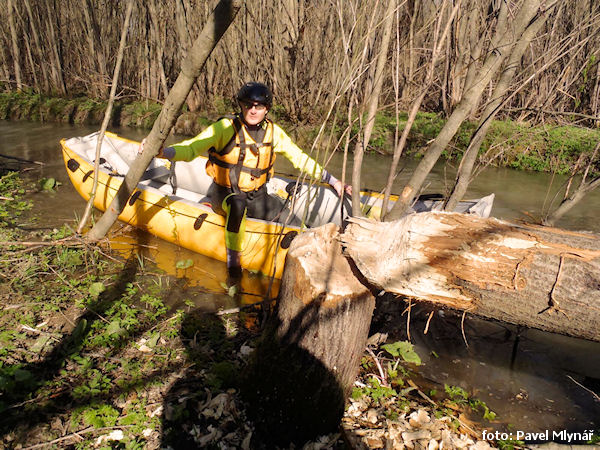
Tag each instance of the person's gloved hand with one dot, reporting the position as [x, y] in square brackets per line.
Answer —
[166, 153]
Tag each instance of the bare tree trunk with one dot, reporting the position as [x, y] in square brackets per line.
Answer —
[15, 45]
[373, 96]
[584, 188]
[285, 69]
[539, 277]
[96, 56]
[463, 55]
[113, 90]
[299, 47]
[220, 19]
[502, 45]
[183, 27]
[33, 68]
[409, 68]
[309, 359]
[476, 47]
[5, 70]
[596, 98]
[154, 19]
[463, 177]
[56, 65]
[38, 47]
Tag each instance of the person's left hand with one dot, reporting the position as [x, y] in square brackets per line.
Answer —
[340, 188]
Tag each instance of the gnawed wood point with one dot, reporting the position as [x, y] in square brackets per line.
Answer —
[310, 355]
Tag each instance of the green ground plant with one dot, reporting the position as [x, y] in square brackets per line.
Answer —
[509, 444]
[12, 190]
[461, 397]
[595, 438]
[90, 341]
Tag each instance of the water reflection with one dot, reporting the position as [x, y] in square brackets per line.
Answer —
[195, 269]
[519, 195]
[534, 380]
[203, 281]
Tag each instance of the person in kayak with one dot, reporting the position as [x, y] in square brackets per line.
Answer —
[241, 152]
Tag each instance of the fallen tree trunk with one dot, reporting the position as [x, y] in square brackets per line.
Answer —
[528, 275]
[310, 354]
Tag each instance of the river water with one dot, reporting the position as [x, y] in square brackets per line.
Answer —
[534, 381]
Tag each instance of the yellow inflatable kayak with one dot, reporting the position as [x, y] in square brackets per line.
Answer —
[170, 202]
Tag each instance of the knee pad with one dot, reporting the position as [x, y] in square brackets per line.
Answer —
[235, 207]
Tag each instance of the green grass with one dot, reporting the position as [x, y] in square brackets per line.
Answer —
[460, 397]
[140, 113]
[550, 148]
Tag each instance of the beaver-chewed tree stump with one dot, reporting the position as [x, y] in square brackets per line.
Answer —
[528, 275]
[310, 356]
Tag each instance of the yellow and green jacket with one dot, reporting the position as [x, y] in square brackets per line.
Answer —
[222, 134]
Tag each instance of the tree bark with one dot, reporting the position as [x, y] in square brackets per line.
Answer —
[373, 96]
[308, 362]
[33, 68]
[160, 47]
[502, 44]
[183, 31]
[414, 109]
[220, 19]
[318, 281]
[54, 42]
[528, 275]
[96, 55]
[38, 47]
[3, 61]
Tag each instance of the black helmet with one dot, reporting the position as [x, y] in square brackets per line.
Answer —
[255, 92]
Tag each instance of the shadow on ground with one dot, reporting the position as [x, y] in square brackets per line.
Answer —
[287, 396]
